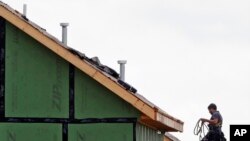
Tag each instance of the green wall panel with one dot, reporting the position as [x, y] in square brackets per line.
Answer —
[101, 132]
[92, 100]
[36, 79]
[30, 132]
[144, 133]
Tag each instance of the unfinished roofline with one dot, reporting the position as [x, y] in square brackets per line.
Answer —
[153, 113]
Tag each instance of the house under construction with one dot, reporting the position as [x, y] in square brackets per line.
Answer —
[51, 92]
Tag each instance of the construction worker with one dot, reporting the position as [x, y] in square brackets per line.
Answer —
[214, 124]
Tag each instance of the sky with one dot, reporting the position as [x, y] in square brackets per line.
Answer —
[182, 54]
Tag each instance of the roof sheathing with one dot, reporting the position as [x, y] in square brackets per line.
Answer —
[154, 113]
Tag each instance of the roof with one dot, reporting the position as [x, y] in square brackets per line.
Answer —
[152, 115]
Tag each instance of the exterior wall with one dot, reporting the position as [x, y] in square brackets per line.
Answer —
[144, 133]
[37, 82]
[94, 100]
[37, 98]
[101, 132]
[30, 132]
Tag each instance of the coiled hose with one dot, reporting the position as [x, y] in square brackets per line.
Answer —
[200, 129]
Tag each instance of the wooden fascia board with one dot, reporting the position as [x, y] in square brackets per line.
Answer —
[169, 122]
[161, 124]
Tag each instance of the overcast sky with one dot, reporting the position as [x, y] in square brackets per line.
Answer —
[182, 54]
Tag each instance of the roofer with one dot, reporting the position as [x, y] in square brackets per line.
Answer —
[214, 124]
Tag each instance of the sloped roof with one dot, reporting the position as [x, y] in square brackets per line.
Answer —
[152, 115]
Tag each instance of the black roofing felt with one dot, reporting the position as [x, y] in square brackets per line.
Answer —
[97, 63]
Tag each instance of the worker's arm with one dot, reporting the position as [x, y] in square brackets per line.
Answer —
[213, 122]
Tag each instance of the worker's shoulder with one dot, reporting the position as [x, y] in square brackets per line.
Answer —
[217, 114]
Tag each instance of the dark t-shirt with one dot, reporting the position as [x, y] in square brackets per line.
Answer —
[217, 115]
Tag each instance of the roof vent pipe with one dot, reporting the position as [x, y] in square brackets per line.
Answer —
[64, 32]
[122, 69]
[24, 10]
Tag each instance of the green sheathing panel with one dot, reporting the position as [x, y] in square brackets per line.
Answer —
[30, 132]
[37, 80]
[144, 133]
[92, 100]
[101, 132]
